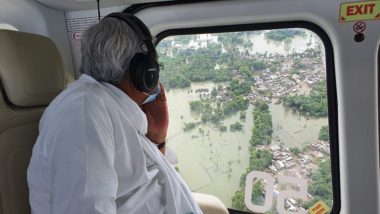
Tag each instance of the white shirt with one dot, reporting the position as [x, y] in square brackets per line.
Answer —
[92, 156]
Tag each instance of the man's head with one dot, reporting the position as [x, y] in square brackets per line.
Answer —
[119, 50]
[107, 50]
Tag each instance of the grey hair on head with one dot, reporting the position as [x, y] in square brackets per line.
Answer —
[107, 49]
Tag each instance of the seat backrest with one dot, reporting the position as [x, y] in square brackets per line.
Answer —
[31, 75]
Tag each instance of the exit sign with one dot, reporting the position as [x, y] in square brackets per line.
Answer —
[359, 11]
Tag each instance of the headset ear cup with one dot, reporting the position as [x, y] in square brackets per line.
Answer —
[134, 72]
[151, 75]
[144, 72]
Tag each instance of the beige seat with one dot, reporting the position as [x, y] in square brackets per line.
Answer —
[210, 204]
[31, 75]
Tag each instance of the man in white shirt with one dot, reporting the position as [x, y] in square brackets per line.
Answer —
[97, 148]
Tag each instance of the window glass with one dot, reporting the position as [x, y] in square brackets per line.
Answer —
[248, 117]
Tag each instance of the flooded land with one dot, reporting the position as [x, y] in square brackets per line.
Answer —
[258, 103]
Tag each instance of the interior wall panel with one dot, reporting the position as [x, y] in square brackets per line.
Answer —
[30, 16]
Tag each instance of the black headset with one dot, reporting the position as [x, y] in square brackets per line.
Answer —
[143, 69]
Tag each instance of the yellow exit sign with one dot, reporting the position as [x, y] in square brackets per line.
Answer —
[359, 11]
[319, 208]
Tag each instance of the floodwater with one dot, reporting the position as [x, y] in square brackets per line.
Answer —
[214, 161]
[262, 45]
[211, 161]
[297, 44]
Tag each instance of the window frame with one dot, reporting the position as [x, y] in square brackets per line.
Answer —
[330, 82]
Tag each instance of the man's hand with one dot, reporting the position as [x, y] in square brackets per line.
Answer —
[158, 118]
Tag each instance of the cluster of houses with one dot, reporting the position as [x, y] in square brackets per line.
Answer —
[304, 164]
[286, 81]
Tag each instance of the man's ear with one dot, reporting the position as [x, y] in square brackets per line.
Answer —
[128, 88]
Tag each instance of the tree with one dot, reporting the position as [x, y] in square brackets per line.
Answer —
[236, 127]
[282, 34]
[238, 201]
[321, 185]
[179, 81]
[237, 104]
[188, 126]
[196, 106]
[214, 92]
[315, 104]
[324, 133]
[295, 151]
[183, 39]
[260, 160]
[223, 128]
[243, 115]
[258, 65]
[237, 88]
[262, 129]
[258, 195]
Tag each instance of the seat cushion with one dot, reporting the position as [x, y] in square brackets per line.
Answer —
[31, 68]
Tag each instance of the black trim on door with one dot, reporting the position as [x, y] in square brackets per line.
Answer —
[137, 7]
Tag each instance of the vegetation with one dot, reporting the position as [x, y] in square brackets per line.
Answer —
[239, 103]
[230, 64]
[178, 81]
[196, 106]
[314, 104]
[275, 65]
[176, 168]
[258, 65]
[243, 115]
[206, 64]
[231, 38]
[216, 113]
[188, 126]
[238, 201]
[236, 127]
[183, 39]
[192, 65]
[236, 88]
[214, 92]
[295, 150]
[321, 185]
[298, 64]
[282, 34]
[324, 133]
[223, 128]
[258, 197]
[262, 121]
[222, 75]
[259, 161]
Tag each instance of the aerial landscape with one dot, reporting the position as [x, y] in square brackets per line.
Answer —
[249, 101]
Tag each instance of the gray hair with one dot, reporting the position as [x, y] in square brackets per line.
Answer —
[107, 49]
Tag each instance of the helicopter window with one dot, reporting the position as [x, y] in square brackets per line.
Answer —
[249, 117]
